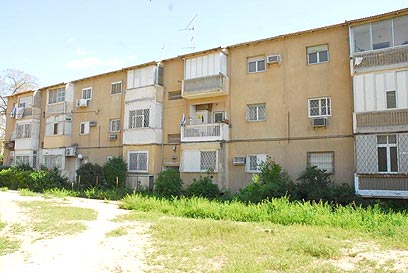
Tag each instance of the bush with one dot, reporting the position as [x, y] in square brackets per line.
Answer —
[89, 173]
[316, 185]
[45, 180]
[168, 184]
[203, 187]
[271, 182]
[113, 168]
[14, 178]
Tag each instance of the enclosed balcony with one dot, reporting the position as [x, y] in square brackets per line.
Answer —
[205, 132]
[32, 113]
[394, 186]
[381, 121]
[204, 87]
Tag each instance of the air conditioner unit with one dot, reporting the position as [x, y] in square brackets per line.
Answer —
[92, 123]
[273, 59]
[81, 102]
[319, 122]
[70, 151]
[238, 161]
[113, 137]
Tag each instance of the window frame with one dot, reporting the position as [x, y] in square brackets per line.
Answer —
[172, 97]
[23, 130]
[317, 49]
[388, 147]
[260, 158]
[86, 130]
[324, 153]
[115, 83]
[257, 107]
[320, 115]
[114, 128]
[256, 60]
[58, 97]
[387, 101]
[133, 115]
[84, 91]
[138, 170]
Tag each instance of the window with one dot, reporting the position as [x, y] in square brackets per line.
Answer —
[174, 95]
[387, 153]
[256, 64]
[114, 125]
[23, 131]
[53, 161]
[199, 161]
[321, 160]
[320, 107]
[219, 117]
[34, 159]
[55, 131]
[138, 161]
[256, 112]
[173, 138]
[254, 162]
[391, 100]
[116, 88]
[84, 128]
[87, 93]
[381, 34]
[56, 95]
[317, 54]
[22, 160]
[139, 118]
[158, 75]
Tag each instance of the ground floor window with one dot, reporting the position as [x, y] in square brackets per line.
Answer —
[22, 160]
[52, 161]
[138, 161]
[200, 161]
[254, 162]
[321, 160]
[387, 153]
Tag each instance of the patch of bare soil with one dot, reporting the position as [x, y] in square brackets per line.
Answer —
[89, 251]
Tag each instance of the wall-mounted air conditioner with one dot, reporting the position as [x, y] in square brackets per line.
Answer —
[273, 59]
[113, 137]
[92, 123]
[70, 151]
[319, 122]
[82, 102]
[238, 160]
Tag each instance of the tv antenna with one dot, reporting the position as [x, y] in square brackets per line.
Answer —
[190, 27]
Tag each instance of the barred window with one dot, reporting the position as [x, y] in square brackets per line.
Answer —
[56, 95]
[138, 161]
[256, 112]
[116, 87]
[139, 118]
[114, 125]
[320, 107]
[208, 160]
[321, 160]
[23, 131]
[254, 162]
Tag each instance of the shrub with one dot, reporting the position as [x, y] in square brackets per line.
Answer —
[113, 168]
[315, 184]
[14, 178]
[203, 187]
[271, 182]
[45, 180]
[168, 184]
[89, 173]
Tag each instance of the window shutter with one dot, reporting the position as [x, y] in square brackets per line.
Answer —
[190, 161]
[366, 154]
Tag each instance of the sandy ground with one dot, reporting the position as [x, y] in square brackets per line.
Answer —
[90, 251]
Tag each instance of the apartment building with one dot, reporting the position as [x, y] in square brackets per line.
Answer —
[333, 97]
[379, 67]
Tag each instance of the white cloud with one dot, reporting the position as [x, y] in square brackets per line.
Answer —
[94, 62]
[81, 51]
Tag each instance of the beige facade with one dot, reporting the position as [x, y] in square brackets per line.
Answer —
[294, 98]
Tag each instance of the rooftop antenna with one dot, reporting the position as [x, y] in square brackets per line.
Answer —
[190, 27]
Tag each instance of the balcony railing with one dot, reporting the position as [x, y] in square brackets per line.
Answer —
[202, 87]
[392, 57]
[32, 112]
[56, 108]
[382, 185]
[378, 121]
[205, 132]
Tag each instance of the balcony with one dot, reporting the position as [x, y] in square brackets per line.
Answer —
[204, 87]
[205, 132]
[395, 186]
[32, 113]
[392, 57]
[57, 108]
[375, 122]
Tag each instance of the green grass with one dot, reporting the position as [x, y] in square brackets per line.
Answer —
[206, 245]
[51, 219]
[59, 193]
[8, 245]
[26, 192]
[3, 189]
[117, 232]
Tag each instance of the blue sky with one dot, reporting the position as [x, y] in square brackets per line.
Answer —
[59, 41]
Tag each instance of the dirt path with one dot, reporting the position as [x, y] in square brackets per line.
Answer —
[89, 251]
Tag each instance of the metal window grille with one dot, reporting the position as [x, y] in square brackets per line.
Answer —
[138, 161]
[253, 163]
[139, 118]
[319, 107]
[208, 160]
[256, 112]
[321, 160]
[116, 88]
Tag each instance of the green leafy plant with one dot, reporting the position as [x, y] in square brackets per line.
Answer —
[112, 169]
[168, 184]
[203, 187]
[90, 174]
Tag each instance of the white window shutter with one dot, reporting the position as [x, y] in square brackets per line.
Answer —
[190, 161]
